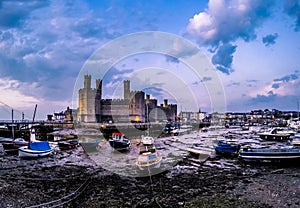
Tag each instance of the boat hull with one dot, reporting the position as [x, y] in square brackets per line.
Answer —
[12, 147]
[67, 145]
[271, 155]
[227, 150]
[149, 164]
[25, 152]
[274, 137]
[119, 145]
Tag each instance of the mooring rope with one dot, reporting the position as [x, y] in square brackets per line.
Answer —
[68, 198]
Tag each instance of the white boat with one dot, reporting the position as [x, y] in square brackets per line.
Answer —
[197, 150]
[147, 140]
[148, 158]
[35, 149]
[275, 134]
[296, 141]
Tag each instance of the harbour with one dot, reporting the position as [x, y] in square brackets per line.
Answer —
[109, 178]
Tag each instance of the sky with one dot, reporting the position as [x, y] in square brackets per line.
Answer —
[253, 46]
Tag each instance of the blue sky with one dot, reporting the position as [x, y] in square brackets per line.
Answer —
[253, 45]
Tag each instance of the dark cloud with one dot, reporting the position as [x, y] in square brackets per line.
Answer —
[292, 8]
[270, 97]
[252, 81]
[234, 84]
[224, 57]
[275, 85]
[12, 13]
[270, 39]
[172, 59]
[204, 79]
[288, 78]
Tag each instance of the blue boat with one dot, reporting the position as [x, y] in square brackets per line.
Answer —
[270, 155]
[226, 149]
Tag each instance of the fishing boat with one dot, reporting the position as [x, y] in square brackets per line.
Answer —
[274, 135]
[118, 141]
[148, 158]
[35, 149]
[13, 145]
[147, 140]
[67, 145]
[270, 155]
[226, 149]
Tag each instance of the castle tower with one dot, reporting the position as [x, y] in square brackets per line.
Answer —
[126, 89]
[99, 88]
[87, 81]
[98, 98]
[87, 98]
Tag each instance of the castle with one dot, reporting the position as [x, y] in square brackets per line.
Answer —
[134, 107]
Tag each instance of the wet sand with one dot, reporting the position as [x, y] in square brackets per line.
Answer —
[73, 179]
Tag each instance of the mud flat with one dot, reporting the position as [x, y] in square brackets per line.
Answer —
[73, 179]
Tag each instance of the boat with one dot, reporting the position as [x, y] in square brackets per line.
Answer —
[201, 151]
[90, 146]
[226, 149]
[35, 149]
[5, 140]
[118, 141]
[297, 134]
[14, 145]
[274, 135]
[147, 140]
[296, 141]
[148, 158]
[269, 155]
[67, 145]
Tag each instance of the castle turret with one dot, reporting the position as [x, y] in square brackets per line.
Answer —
[126, 89]
[87, 81]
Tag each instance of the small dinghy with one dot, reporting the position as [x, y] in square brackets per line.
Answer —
[67, 145]
[35, 149]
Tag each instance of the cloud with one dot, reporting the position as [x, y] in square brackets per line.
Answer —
[288, 78]
[223, 58]
[270, 39]
[270, 97]
[292, 8]
[172, 59]
[288, 85]
[226, 21]
[12, 13]
[275, 85]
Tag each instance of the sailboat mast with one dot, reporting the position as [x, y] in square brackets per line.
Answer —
[12, 123]
[34, 113]
[298, 109]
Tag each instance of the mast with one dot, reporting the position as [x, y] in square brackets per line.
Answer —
[298, 109]
[34, 113]
[32, 131]
[12, 124]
